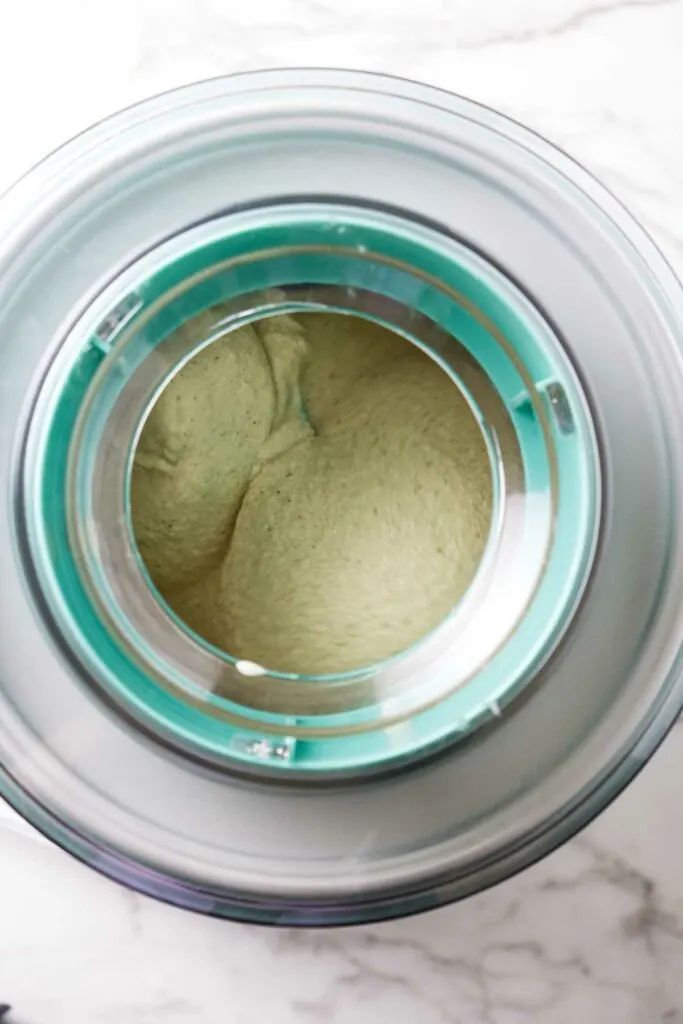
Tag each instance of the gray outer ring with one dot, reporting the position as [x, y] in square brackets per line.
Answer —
[614, 688]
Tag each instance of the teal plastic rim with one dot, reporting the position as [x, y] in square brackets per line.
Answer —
[420, 700]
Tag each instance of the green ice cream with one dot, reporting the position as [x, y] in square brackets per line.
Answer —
[313, 495]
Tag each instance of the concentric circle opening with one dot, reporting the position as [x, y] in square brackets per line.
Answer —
[461, 319]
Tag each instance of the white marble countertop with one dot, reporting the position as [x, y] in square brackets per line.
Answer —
[595, 932]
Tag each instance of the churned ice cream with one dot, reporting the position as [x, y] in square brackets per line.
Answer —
[312, 494]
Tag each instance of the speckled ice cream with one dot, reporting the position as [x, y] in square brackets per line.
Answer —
[311, 495]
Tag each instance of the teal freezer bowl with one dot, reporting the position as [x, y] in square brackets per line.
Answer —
[358, 252]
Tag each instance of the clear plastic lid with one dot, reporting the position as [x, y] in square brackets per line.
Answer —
[230, 787]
